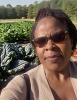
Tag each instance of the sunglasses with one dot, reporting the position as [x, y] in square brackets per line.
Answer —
[57, 37]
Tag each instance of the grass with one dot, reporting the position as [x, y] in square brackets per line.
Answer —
[14, 20]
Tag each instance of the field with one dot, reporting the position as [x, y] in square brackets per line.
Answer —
[14, 20]
[15, 30]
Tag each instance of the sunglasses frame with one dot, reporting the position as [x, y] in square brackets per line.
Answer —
[51, 37]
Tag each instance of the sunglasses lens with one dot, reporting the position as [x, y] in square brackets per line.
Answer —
[59, 37]
[56, 38]
[41, 41]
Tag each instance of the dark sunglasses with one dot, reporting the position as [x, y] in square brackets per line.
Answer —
[58, 37]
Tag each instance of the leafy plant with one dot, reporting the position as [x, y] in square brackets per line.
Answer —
[15, 59]
[15, 31]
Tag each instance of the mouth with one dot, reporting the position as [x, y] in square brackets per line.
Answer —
[53, 58]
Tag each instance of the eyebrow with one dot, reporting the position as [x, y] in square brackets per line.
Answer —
[57, 32]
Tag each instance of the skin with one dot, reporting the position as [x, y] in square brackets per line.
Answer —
[55, 58]
[48, 26]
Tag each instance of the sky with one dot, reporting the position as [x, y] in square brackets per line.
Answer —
[18, 2]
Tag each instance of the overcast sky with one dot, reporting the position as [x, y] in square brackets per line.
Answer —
[18, 2]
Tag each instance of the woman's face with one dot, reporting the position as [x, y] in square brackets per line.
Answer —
[54, 53]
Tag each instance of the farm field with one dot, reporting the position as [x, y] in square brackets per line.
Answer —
[15, 30]
[14, 20]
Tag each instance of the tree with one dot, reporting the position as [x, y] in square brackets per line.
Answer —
[3, 12]
[54, 3]
[70, 7]
[10, 11]
[14, 14]
[35, 8]
[30, 11]
[24, 11]
[19, 11]
[44, 4]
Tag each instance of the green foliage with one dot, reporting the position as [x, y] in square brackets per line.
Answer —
[15, 32]
[16, 59]
[30, 11]
[69, 6]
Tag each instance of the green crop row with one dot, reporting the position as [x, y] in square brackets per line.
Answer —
[15, 31]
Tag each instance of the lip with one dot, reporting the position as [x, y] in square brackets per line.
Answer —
[53, 58]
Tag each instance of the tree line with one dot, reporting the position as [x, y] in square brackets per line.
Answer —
[9, 12]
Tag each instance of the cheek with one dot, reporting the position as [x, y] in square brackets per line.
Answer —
[67, 49]
[40, 52]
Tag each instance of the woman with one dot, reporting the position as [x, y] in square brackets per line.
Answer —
[54, 39]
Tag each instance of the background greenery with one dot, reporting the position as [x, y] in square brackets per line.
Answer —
[15, 31]
[9, 12]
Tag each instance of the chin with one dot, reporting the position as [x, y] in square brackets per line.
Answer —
[52, 67]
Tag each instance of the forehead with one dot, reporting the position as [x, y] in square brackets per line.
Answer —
[46, 20]
[48, 24]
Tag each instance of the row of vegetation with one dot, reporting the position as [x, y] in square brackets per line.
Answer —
[9, 12]
[15, 31]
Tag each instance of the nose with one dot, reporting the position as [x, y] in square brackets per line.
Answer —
[50, 45]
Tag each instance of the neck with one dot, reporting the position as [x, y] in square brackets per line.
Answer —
[58, 75]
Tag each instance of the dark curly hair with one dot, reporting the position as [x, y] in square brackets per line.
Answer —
[61, 17]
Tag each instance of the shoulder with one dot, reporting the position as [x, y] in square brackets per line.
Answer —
[17, 82]
[32, 71]
[73, 68]
[74, 64]
[15, 89]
